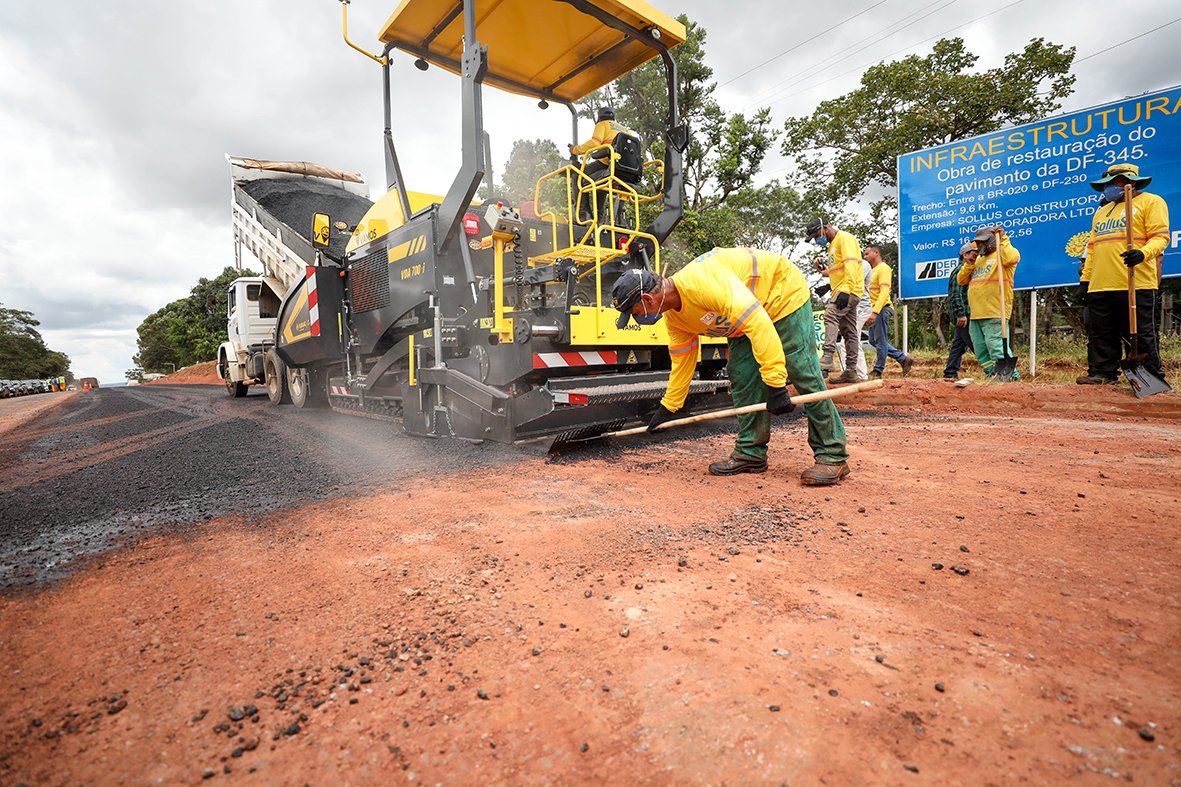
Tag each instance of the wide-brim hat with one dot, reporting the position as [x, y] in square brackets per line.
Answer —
[1129, 171]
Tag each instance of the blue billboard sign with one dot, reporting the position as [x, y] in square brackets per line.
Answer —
[1033, 180]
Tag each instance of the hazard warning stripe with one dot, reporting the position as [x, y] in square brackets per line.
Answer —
[339, 390]
[313, 302]
[562, 360]
[564, 397]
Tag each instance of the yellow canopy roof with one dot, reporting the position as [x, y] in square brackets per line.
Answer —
[535, 47]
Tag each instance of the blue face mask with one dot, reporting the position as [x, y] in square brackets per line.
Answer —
[650, 319]
[821, 241]
[1113, 193]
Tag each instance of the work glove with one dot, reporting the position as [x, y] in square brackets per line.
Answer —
[823, 289]
[843, 299]
[1132, 257]
[661, 416]
[779, 403]
[1083, 292]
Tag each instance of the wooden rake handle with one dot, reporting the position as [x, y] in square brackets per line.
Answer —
[819, 396]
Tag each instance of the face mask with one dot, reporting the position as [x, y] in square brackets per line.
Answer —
[821, 241]
[1113, 193]
[650, 319]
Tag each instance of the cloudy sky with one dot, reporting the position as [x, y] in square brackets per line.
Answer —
[115, 118]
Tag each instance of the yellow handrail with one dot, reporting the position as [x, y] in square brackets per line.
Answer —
[344, 21]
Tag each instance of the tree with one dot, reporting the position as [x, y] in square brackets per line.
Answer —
[725, 151]
[850, 143]
[188, 330]
[529, 160]
[23, 354]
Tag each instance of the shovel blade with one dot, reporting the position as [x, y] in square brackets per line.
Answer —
[1145, 383]
[1005, 367]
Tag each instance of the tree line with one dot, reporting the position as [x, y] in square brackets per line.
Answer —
[23, 353]
[841, 157]
[186, 331]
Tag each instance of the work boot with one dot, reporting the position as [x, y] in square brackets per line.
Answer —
[950, 378]
[1094, 379]
[847, 376]
[824, 475]
[735, 465]
[907, 363]
[875, 375]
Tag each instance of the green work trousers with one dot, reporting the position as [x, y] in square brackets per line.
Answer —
[988, 343]
[826, 433]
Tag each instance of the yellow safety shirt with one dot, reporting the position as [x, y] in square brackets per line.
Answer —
[846, 274]
[982, 277]
[880, 283]
[1104, 268]
[731, 292]
[604, 134]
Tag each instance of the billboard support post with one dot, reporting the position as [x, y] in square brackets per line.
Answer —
[905, 328]
[1033, 333]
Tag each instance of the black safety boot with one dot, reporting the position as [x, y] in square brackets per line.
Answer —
[734, 466]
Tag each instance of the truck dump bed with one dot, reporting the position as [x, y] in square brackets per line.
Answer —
[292, 203]
[273, 205]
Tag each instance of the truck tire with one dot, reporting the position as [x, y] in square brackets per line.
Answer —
[235, 389]
[275, 372]
[307, 388]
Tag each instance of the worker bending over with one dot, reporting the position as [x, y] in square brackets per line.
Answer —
[760, 302]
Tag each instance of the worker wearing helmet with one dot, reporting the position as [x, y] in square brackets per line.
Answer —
[607, 128]
[760, 302]
[1105, 274]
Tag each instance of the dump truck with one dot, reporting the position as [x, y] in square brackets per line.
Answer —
[459, 317]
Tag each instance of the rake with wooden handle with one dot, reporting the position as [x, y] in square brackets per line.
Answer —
[818, 396]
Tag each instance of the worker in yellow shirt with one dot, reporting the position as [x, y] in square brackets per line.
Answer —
[880, 282]
[760, 302]
[995, 255]
[1105, 274]
[845, 278]
[607, 128]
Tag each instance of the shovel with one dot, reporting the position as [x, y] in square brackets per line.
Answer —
[1007, 364]
[1144, 383]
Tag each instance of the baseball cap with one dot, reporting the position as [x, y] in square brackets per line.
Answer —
[628, 288]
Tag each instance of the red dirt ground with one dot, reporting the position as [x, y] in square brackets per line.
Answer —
[626, 618]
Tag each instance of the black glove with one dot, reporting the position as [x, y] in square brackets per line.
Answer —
[823, 289]
[779, 403]
[842, 300]
[1132, 257]
[1083, 287]
[661, 416]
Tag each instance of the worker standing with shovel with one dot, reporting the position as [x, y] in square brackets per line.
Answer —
[1129, 235]
[990, 299]
[760, 302]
